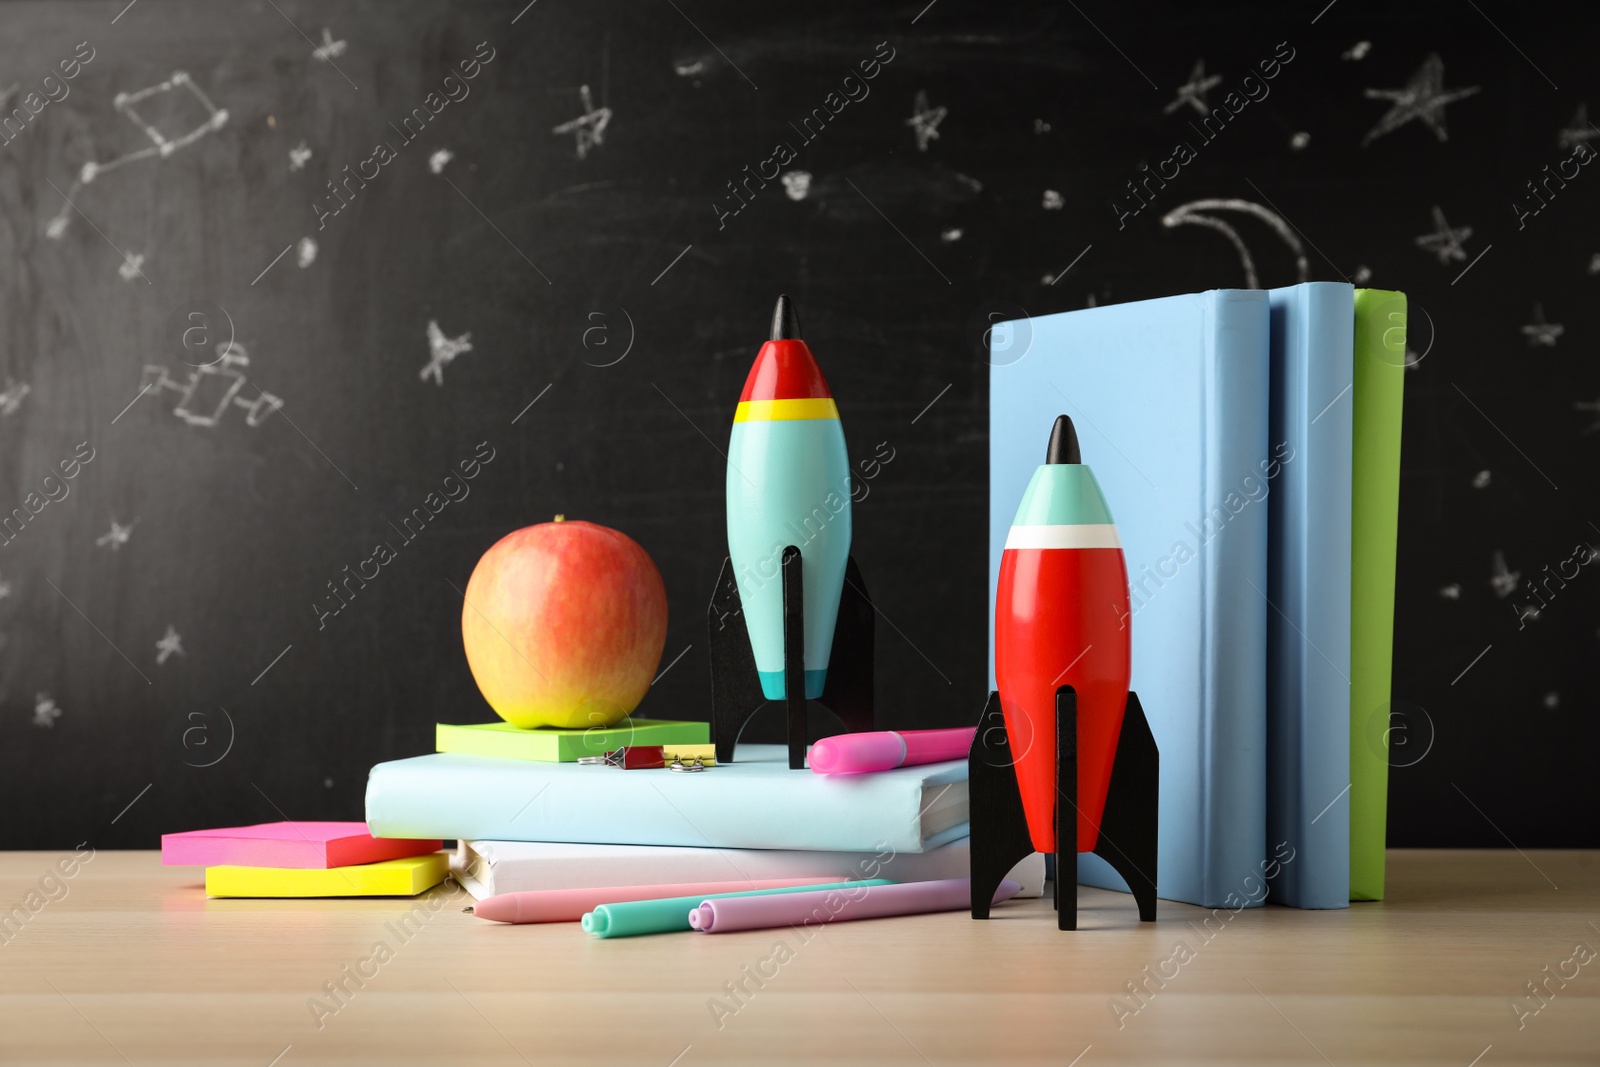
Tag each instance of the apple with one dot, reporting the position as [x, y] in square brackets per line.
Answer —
[564, 623]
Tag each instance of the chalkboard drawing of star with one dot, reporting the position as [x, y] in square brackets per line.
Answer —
[45, 712]
[1193, 92]
[11, 396]
[1539, 332]
[171, 642]
[1503, 580]
[924, 120]
[1444, 241]
[329, 49]
[590, 127]
[1579, 130]
[117, 537]
[442, 350]
[1423, 97]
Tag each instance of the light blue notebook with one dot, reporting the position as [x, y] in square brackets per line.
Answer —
[754, 802]
[1308, 580]
[1169, 398]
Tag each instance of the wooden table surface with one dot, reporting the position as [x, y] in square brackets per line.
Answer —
[133, 964]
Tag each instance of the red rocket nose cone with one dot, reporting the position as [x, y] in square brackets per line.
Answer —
[785, 370]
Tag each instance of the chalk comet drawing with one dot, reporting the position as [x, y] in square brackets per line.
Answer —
[220, 379]
[1194, 213]
[588, 128]
[437, 161]
[160, 147]
[442, 350]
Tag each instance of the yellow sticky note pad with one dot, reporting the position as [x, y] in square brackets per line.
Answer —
[391, 878]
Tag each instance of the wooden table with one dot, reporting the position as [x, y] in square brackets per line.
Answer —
[135, 965]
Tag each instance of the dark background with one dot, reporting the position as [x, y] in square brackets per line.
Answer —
[235, 529]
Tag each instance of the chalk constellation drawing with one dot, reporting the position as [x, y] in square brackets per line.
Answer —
[437, 161]
[11, 396]
[160, 147]
[1193, 214]
[171, 643]
[305, 252]
[590, 127]
[299, 156]
[924, 120]
[442, 350]
[1445, 241]
[45, 712]
[1423, 97]
[218, 379]
[1539, 332]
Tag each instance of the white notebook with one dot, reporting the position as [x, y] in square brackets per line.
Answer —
[486, 868]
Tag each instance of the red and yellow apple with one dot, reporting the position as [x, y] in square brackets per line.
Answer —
[564, 623]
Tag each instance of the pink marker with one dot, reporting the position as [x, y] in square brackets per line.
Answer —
[884, 750]
[728, 914]
[568, 905]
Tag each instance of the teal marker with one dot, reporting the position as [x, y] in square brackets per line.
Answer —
[672, 914]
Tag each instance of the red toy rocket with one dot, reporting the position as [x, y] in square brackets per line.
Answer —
[1061, 619]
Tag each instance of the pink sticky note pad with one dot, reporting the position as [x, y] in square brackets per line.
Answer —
[302, 845]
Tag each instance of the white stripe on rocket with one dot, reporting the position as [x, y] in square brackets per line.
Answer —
[1094, 535]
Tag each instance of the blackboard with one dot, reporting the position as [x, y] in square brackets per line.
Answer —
[561, 261]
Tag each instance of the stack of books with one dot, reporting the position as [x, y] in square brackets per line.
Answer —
[307, 859]
[528, 816]
[1248, 445]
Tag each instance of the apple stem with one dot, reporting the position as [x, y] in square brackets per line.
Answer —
[561, 518]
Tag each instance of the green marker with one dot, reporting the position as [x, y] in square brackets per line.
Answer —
[672, 914]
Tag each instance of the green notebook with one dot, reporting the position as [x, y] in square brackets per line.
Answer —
[548, 745]
[1380, 367]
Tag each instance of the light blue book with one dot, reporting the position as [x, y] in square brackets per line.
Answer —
[1169, 398]
[754, 802]
[1308, 581]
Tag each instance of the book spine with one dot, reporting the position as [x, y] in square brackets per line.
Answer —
[464, 797]
[1234, 576]
[1380, 343]
[1308, 635]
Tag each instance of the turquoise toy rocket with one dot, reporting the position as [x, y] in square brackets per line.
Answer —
[788, 484]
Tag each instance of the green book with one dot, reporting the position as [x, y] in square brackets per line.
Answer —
[1380, 368]
[550, 745]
